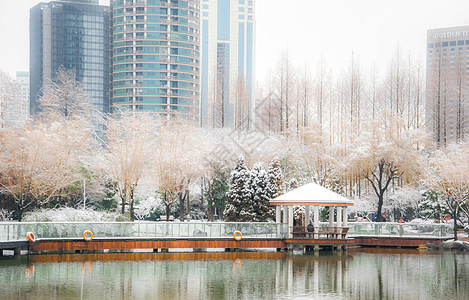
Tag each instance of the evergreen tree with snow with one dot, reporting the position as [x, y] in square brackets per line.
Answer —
[275, 179]
[262, 210]
[239, 207]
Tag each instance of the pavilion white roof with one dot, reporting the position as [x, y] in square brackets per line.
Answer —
[311, 194]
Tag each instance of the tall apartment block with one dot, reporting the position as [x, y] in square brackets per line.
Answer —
[155, 57]
[447, 103]
[73, 34]
[228, 51]
[14, 100]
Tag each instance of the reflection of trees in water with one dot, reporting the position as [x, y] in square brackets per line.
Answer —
[406, 276]
[359, 275]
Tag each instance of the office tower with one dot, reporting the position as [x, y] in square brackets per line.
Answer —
[447, 103]
[228, 51]
[73, 34]
[155, 57]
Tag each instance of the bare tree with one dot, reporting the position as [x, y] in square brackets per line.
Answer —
[39, 162]
[448, 174]
[129, 146]
[382, 156]
[65, 96]
[180, 149]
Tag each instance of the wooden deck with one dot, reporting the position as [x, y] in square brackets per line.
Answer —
[157, 245]
[113, 245]
[409, 242]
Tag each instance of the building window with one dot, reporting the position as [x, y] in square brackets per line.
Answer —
[460, 43]
[452, 43]
[445, 44]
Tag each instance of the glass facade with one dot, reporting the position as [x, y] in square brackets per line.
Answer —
[75, 34]
[447, 85]
[155, 56]
[228, 53]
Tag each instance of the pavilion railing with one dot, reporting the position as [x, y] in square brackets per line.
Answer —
[321, 232]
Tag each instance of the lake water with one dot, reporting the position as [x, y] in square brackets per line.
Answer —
[356, 274]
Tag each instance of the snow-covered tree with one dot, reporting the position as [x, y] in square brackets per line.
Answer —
[251, 190]
[214, 185]
[432, 206]
[262, 194]
[275, 179]
[178, 158]
[129, 148]
[383, 156]
[448, 174]
[40, 161]
[239, 207]
[65, 96]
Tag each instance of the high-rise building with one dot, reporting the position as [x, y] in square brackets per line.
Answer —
[447, 87]
[155, 57]
[21, 107]
[14, 99]
[73, 34]
[228, 51]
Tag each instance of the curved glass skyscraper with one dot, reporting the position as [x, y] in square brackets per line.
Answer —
[155, 56]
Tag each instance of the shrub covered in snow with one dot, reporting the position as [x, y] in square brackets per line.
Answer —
[67, 214]
[5, 215]
[151, 208]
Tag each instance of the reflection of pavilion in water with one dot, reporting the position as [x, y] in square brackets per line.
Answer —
[354, 274]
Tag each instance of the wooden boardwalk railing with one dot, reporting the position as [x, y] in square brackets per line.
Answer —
[310, 232]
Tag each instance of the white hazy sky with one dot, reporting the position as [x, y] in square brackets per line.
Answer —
[372, 29]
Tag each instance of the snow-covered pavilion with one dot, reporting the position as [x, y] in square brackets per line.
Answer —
[315, 196]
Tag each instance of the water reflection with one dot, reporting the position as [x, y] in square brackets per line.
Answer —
[359, 274]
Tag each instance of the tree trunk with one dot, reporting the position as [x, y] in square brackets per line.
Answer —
[168, 207]
[20, 212]
[455, 220]
[181, 207]
[167, 212]
[123, 204]
[379, 217]
[131, 205]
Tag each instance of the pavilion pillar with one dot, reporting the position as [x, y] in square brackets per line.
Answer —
[344, 215]
[339, 216]
[290, 220]
[331, 216]
[278, 214]
[307, 218]
[278, 218]
[316, 220]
